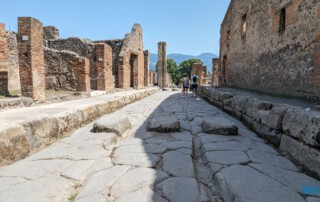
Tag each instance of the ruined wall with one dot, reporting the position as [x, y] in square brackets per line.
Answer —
[13, 63]
[59, 72]
[146, 67]
[116, 46]
[81, 69]
[272, 46]
[3, 61]
[31, 58]
[131, 60]
[215, 72]
[105, 79]
[51, 33]
[151, 78]
[82, 48]
[197, 68]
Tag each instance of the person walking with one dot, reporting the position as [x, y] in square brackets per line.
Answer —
[194, 83]
[185, 85]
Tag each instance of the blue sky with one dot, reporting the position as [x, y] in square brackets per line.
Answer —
[188, 26]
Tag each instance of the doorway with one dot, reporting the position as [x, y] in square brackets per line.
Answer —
[133, 70]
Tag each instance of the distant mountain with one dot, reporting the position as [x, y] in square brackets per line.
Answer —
[206, 58]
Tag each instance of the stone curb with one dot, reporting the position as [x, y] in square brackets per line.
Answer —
[19, 140]
[280, 124]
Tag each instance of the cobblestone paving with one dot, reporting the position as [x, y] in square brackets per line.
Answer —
[141, 165]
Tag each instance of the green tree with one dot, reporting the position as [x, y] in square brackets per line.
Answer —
[186, 66]
[173, 70]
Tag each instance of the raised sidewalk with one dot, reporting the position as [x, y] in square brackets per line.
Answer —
[25, 130]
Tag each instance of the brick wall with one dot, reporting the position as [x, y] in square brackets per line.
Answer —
[162, 65]
[146, 67]
[265, 59]
[197, 68]
[215, 72]
[81, 69]
[104, 67]
[31, 58]
[151, 78]
[3, 61]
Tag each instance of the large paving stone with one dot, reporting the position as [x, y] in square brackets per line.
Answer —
[116, 123]
[164, 124]
[178, 145]
[182, 136]
[244, 184]
[294, 180]
[143, 195]
[178, 164]
[136, 179]
[180, 189]
[313, 199]
[254, 145]
[305, 155]
[219, 126]
[137, 159]
[92, 198]
[272, 160]
[102, 181]
[226, 157]
[224, 146]
[51, 188]
[146, 148]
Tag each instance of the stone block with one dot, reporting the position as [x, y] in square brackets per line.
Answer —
[304, 155]
[220, 126]
[116, 123]
[303, 125]
[163, 124]
[267, 133]
[275, 117]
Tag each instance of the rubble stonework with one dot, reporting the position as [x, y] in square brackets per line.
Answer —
[31, 58]
[3, 61]
[13, 63]
[215, 71]
[59, 72]
[259, 54]
[51, 33]
[81, 69]
[105, 80]
[131, 60]
[163, 76]
[146, 67]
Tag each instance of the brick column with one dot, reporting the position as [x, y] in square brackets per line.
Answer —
[31, 58]
[146, 67]
[162, 65]
[81, 69]
[105, 80]
[197, 69]
[3, 61]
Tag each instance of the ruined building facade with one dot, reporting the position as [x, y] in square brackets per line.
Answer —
[271, 46]
[35, 59]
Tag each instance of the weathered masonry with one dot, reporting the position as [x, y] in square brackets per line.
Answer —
[272, 46]
[36, 59]
[163, 75]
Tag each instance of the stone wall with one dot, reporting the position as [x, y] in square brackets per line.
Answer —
[215, 72]
[259, 54]
[293, 130]
[151, 78]
[81, 69]
[131, 60]
[3, 61]
[116, 46]
[13, 63]
[82, 48]
[197, 68]
[31, 58]
[59, 72]
[51, 33]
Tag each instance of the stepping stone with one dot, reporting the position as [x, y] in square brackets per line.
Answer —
[219, 126]
[243, 184]
[226, 157]
[180, 189]
[116, 123]
[164, 124]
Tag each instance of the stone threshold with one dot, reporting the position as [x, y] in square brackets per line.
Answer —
[294, 131]
[20, 138]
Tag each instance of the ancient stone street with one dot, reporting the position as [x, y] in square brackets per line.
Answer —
[165, 147]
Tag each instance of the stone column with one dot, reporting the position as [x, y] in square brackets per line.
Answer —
[215, 72]
[162, 65]
[3, 61]
[105, 79]
[31, 58]
[81, 69]
[146, 67]
[13, 64]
